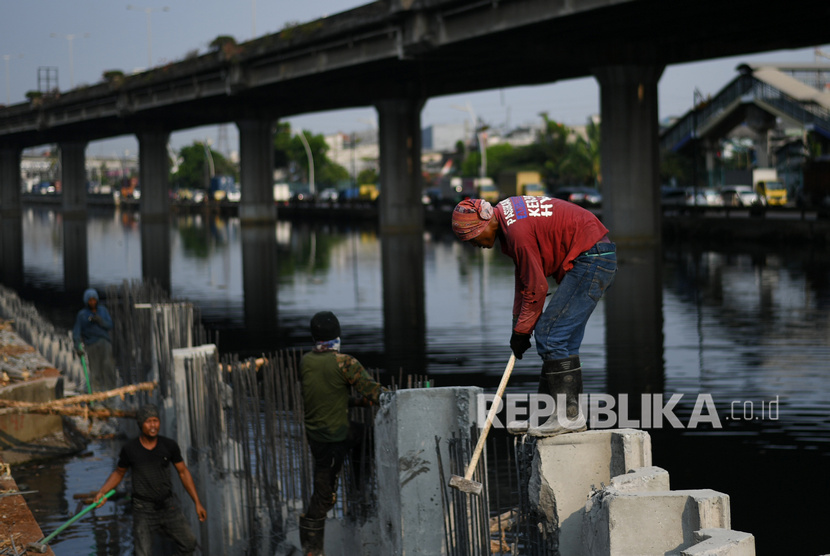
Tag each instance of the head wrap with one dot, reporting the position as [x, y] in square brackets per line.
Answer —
[145, 412]
[324, 326]
[470, 217]
[90, 293]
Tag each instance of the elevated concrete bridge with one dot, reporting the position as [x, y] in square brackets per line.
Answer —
[394, 55]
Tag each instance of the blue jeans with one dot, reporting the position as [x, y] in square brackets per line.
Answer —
[561, 327]
[165, 518]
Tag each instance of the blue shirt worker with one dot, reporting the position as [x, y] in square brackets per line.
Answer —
[91, 335]
[155, 508]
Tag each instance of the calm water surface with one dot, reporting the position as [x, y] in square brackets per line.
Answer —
[747, 324]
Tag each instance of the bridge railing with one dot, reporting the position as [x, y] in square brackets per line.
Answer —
[745, 86]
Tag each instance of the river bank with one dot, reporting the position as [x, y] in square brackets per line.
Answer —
[26, 376]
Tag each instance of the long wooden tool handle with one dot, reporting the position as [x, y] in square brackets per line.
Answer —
[490, 415]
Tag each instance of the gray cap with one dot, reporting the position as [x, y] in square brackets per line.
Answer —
[145, 412]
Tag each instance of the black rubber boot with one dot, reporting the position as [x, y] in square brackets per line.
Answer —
[563, 376]
[312, 534]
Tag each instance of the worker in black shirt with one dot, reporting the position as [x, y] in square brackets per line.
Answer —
[155, 507]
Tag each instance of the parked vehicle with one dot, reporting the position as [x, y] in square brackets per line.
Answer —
[580, 195]
[765, 181]
[282, 192]
[302, 195]
[486, 189]
[741, 196]
[775, 192]
[329, 194]
[521, 183]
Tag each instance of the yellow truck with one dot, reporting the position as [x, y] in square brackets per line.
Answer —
[521, 183]
[766, 184]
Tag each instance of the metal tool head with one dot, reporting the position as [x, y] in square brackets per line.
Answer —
[465, 485]
[38, 547]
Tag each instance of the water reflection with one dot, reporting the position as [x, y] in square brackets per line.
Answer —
[747, 324]
[11, 250]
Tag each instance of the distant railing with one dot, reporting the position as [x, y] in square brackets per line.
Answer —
[684, 129]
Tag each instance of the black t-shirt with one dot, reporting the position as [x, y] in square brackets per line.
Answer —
[151, 468]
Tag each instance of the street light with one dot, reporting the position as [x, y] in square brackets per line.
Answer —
[482, 172]
[148, 11]
[70, 38]
[310, 162]
[6, 58]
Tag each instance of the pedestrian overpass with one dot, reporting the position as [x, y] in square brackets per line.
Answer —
[758, 96]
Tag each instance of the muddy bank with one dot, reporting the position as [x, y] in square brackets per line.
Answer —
[20, 526]
[25, 375]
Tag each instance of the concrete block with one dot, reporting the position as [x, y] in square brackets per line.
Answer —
[565, 467]
[650, 523]
[642, 479]
[17, 428]
[410, 514]
[721, 542]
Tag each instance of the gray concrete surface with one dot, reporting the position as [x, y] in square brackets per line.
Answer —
[566, 467]
[409, 485]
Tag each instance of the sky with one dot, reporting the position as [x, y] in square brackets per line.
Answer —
[84, 38]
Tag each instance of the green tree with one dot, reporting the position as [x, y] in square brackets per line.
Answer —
[367, 176]
[194, 170]
[289, 152]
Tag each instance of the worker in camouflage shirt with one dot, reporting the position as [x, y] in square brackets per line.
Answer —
[327, 380]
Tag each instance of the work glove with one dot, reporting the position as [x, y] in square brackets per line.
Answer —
[79, 349]
[519, 343]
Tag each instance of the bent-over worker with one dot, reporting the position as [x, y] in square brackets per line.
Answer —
[547, 237]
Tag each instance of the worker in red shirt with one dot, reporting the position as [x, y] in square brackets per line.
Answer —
[547, 237]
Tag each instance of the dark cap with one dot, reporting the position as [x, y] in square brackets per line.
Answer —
[145, 412]
[324, 326]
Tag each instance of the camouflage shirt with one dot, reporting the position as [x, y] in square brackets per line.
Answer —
[327, 378]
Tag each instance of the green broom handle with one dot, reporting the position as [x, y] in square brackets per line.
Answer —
[75, 518]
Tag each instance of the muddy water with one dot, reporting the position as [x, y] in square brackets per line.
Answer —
[105, 530]
[746, 324]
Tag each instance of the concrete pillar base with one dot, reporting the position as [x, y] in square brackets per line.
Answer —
[566, 467]
[410, 509]
[658, 522]
[721, 542]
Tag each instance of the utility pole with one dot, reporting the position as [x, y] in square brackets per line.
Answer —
[149, 12]
[70, 39]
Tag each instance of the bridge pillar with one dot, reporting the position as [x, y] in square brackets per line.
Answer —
[10, 180]
[630, 153]
[75, 253]
[154, 174]
[155, 250]
[400, 165]
[73, 178]
[259, 282]
[11, 249]
[401, 231]
[256, 169]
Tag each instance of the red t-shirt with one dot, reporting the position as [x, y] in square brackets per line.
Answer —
[543, 236]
